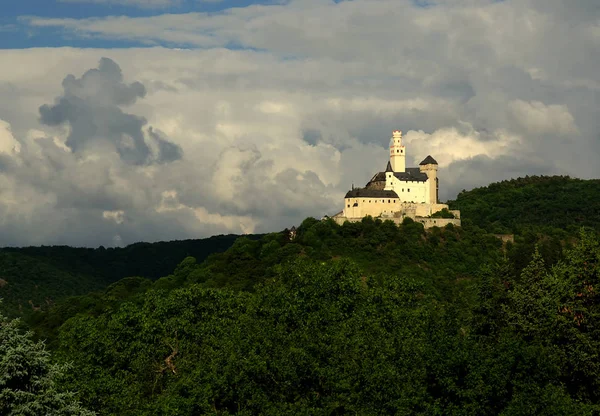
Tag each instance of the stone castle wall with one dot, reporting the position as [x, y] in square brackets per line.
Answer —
[427, 222]
[390, 208]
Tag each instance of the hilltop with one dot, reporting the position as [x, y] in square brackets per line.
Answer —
[516, 205]
[367, 317]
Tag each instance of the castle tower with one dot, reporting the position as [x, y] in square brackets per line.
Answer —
[397, 152]
[429, 166]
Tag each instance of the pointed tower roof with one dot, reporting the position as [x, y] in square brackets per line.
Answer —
[428, 161]
[389, 167]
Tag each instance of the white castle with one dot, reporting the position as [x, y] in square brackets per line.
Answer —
[399, 192]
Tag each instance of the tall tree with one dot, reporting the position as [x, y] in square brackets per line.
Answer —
[28, 380]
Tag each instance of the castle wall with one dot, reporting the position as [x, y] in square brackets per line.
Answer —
[409, 191]
[393, 207]
[374, 207]
[438, 222]
[421, 210]
[456, 213]
[427, 222]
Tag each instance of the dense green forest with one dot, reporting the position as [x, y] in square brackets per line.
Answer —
[364, 318]
[37, 277]
[532, 202]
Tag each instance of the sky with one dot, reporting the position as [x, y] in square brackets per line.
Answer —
[149, 120]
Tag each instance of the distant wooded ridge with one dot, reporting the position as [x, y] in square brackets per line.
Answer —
[37, 277]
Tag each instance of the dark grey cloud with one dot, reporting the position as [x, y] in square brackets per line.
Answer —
[312, 137]
[91, 106]
[167, 151]
[101, 191]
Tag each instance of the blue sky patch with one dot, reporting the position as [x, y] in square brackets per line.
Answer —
[15, 33]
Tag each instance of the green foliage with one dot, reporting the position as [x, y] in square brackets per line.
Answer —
[315, 338]
[323, 337]
[31, 283]
[360, 318]
[444, 213]
[28, 380]
[150, 260]
[35, 278]
[539, 202]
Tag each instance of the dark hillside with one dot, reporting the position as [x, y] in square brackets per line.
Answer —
[443, 261]
[150, 260]
[28, 283]
[534, 201]
[364, 318]
[47, 274]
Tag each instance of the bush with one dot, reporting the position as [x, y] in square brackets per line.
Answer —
[443, 214]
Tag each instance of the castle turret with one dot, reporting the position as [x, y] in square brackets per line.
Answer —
[429, 166]
[397, 152]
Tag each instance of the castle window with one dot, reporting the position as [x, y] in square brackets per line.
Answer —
[408, 190]
[348, 205]
[397, 151]
[389, 201]
[401, 151]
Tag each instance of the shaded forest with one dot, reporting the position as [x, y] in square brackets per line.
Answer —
[34, 278]
[532, 203]
[365, 318]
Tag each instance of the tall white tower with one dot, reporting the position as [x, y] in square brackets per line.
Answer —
[397, 152]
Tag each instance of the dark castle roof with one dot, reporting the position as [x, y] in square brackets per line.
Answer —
[411, 174]
[370, 193]
[378, 177]
[428, 161]
[377, 180]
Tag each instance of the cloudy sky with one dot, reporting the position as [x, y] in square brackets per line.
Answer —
[146, 120]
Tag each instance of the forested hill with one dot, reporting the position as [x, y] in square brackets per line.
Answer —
[362, 318]
[36, 277]
[534, 201]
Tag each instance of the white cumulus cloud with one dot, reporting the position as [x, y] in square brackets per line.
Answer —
[538, 118]
[255, 137]
[454, 144]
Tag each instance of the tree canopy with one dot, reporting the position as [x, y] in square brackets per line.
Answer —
[29, 382]
[361, 318]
